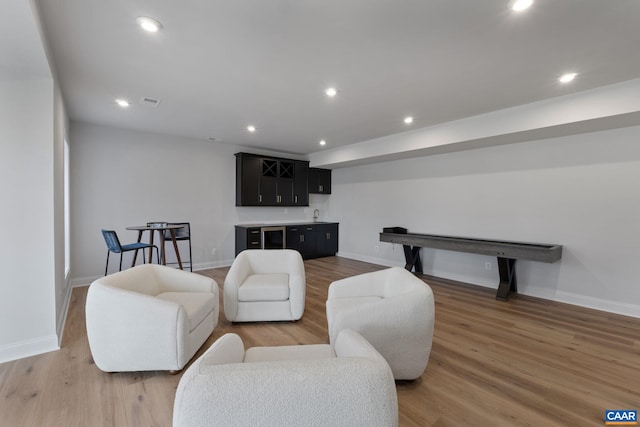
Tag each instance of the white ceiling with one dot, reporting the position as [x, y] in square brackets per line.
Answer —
[217, 66]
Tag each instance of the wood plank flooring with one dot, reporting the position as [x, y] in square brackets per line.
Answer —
[524, 362]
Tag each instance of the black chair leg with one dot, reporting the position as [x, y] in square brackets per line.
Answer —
[190, 257]
[120, 261]
[106, 267]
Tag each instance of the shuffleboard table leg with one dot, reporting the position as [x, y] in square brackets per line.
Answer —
[412, 258]
[508, 283]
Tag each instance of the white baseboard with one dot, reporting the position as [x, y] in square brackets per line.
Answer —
[616, 307]
[371, 260]
[86, 281]
[82, 281]
[624, 309]
[214, 264]
[28, 348]
[62, 319]
[544, 293]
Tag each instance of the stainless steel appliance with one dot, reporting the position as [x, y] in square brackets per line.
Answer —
[274, 237]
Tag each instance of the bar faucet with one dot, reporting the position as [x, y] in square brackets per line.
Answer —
[316, 214]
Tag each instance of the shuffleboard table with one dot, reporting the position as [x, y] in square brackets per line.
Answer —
[506, 252]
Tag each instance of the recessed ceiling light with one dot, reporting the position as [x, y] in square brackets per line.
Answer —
[211, 138]
[149, 24]
[520, 5]
[566, 78]
[408, 120]
[122, 102]
[251, 128]
[323, 142]
[331, 92]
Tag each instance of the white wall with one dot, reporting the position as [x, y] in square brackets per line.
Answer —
[121, 178]
[33, 124]
[62, 285]
[27, 263]
[579, 191]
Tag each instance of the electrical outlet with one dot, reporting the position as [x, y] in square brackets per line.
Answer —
[487, 266]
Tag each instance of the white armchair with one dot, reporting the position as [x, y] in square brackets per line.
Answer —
[265, 285]
[304, 385]
[393, 310]
[149, 317]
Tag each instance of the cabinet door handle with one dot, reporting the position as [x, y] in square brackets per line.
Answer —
[295, 199]
[260, 198]
[255, 231]
[321, 189]
[279, 199]
[309, 228]
[302, 237]
[328, 236]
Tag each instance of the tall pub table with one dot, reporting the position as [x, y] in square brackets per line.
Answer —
[161, 228]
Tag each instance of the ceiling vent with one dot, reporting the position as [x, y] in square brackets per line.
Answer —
[149, 102]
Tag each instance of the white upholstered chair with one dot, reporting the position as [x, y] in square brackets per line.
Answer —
[265, 285]
[348, 384]
[149, 317]
[393, 310]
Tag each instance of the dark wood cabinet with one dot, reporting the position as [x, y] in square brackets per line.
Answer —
[301, 184]
[326, 239]
[319, 181]
[312, 240]
[302, 239]
[248, 176]
[248, 238]
[276, 182]
[270, 181]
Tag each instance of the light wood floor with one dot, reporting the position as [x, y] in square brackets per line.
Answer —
[525, 362]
